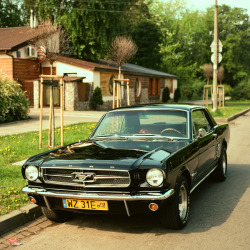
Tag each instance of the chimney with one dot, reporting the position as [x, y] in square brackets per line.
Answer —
[31, 19]
[35, 21]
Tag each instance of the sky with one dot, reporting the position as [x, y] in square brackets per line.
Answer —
[203, 4]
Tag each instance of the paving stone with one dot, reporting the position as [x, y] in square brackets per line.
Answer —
[2, 246]
[26, 233]
[46, 224]
[19, 236]
[34, 229]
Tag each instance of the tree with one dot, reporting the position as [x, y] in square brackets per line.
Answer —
[208, 71]
[96, 98]
[165, 95]
[121, 50]
[234, 33]
[54, 40]
[177, 95]
[148, 37]
[92, 25]
[11, 14]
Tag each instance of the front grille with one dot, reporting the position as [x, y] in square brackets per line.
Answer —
[86, 178]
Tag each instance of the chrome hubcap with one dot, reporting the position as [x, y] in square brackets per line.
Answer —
[183, 202]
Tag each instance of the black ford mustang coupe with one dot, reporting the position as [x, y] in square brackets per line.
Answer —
[145, 159]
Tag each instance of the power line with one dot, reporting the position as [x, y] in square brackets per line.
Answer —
[78, 9]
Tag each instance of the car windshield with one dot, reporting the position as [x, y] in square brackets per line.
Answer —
[143, 123]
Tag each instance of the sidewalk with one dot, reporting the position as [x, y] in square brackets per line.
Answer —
[33, 123]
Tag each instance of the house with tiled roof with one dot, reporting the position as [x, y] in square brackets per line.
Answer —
[18, 60]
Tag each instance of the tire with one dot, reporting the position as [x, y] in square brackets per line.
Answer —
[174, 214]
[220, 173]
[57, 215]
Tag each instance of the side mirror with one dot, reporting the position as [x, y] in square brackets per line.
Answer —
[202, 132]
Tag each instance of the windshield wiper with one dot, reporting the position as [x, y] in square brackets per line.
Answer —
[150, 137]
[108, 137]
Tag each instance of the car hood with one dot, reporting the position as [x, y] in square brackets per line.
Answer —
[107, 154]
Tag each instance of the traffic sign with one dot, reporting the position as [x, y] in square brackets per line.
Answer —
[219, 57]
[41, 53]
[213, 46]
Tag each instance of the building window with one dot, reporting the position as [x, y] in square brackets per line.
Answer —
[154, 87]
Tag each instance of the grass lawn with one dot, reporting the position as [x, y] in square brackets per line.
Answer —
[231, 108]
[18, 147]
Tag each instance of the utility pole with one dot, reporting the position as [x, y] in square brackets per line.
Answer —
[215, 67]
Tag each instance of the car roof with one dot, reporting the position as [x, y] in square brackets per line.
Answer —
[185, 107]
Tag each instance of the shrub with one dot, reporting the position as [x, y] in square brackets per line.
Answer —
[186, 90]
[228, 89]
[96, 98]
[241, 91]
[177, 95]
[166, 95]
[197, 88]
[13, 105]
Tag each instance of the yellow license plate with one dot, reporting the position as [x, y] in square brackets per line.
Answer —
[85, 204]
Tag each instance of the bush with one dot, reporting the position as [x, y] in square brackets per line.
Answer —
[166, 95]
[186, 90]
[177, 95]
[96, 98]
[241, 91]
[228, 89]
[13, 105]
[197, 88]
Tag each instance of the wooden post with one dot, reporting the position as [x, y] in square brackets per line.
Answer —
[62, 106]
[41, 114]
[118, 96]
[50, 115]
[113, 106]
[128, 97]
[223, 101]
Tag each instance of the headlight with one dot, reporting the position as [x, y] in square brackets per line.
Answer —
[31, 173]
[155, 177]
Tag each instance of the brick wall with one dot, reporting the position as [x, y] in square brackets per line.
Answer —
[6, 67]
[25, 71]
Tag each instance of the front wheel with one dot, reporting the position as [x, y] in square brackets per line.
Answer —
[57, 215]
[175, 213]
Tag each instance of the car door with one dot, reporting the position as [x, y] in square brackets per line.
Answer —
[206, 142]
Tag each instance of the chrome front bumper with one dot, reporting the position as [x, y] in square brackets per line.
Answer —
[99, 196]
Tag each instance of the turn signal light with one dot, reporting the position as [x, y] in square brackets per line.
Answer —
[153, 206]
[32, 200]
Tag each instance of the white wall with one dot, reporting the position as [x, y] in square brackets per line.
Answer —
[62, 68]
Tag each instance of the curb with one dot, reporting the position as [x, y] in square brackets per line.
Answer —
[19, 217]
[237, 115]
[231, 118]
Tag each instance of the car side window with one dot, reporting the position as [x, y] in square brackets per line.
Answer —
[199, 121]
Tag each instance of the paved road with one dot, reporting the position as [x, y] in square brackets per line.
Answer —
[33, 123]
[219, 219]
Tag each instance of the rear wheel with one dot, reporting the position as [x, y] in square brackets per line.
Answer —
[57, 215]
[175, 213]
[220, 173]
